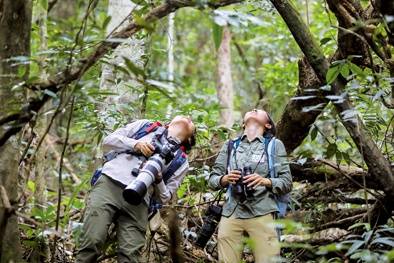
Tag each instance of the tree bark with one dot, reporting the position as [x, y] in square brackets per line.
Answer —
[348, 177]
[300, 114]
[224, 85]
[15, 26]
[125, 86]
[170, 46]
[379, 167]
[303, 109]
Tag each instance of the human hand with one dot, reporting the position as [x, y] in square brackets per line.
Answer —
[230, 178]
[254, 180]
[145, 148]
[158, 178]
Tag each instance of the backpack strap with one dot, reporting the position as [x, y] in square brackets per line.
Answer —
[179, 159]
[146, 129]
[269, 148]
[230, 146]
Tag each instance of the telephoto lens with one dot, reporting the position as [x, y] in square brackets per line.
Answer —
[249, 190]
[211, 221]
[137, 189]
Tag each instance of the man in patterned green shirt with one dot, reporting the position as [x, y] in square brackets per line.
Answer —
[255, 212]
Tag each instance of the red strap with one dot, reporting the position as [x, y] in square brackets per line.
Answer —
[157, 124]
[183, 149]
[153, 126]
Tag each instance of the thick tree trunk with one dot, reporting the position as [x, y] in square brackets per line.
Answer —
[224, 85]
[38, 167]
[133, 48]
[302, 111]
[15, 26]
[378, 165]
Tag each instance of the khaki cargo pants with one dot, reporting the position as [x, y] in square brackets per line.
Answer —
[105, 206]
[261, 231]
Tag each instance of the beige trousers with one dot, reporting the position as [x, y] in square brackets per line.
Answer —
[263, 239]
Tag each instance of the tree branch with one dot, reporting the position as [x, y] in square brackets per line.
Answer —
[378, 165]
[56, 83]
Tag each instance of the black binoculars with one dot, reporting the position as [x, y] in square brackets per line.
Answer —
[240, 190]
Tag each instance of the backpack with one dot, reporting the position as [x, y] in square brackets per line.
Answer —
[179, 159]
[282, 201]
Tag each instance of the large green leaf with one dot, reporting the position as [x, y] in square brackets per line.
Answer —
[332, 74]
[217, 34]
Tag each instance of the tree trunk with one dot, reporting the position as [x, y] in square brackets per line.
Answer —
[378, 165]
[303, 109]
[224, 80]
[171, 44]
[15, 26]
[126, 86]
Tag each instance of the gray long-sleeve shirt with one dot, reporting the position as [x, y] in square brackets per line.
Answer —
[249, 154]
[120, 168]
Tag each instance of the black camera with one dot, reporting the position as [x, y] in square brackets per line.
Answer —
[136, 190]
[211, 221]
[239, 189]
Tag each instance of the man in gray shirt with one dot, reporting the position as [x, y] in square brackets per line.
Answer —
[130, 147]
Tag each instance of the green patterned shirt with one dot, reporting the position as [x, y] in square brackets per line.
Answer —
[252, 154]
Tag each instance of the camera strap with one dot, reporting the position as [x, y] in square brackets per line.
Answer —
[218, 197]
[233, 145]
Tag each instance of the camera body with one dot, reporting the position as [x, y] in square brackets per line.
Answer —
[136, 190]
[211, 221]
[239, 189]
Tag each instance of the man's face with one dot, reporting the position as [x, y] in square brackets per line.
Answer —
[181, 127]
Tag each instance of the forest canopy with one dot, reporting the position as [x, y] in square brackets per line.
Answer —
[74, 71]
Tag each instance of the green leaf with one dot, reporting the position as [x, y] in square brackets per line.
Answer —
[355, 69]
[366, 226]
[106, 22]
[338, 156]
[22, 71]
[325, 41]
[331, 150]
[346, 157]
[390, 255]
[356, 245]
[345, 70]
[332, 74]
[44, 4]
[139, 20]
[31, 185]
[134, 68]
[323, 250]
[217, 34]
[313, 133]
[389, 241]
